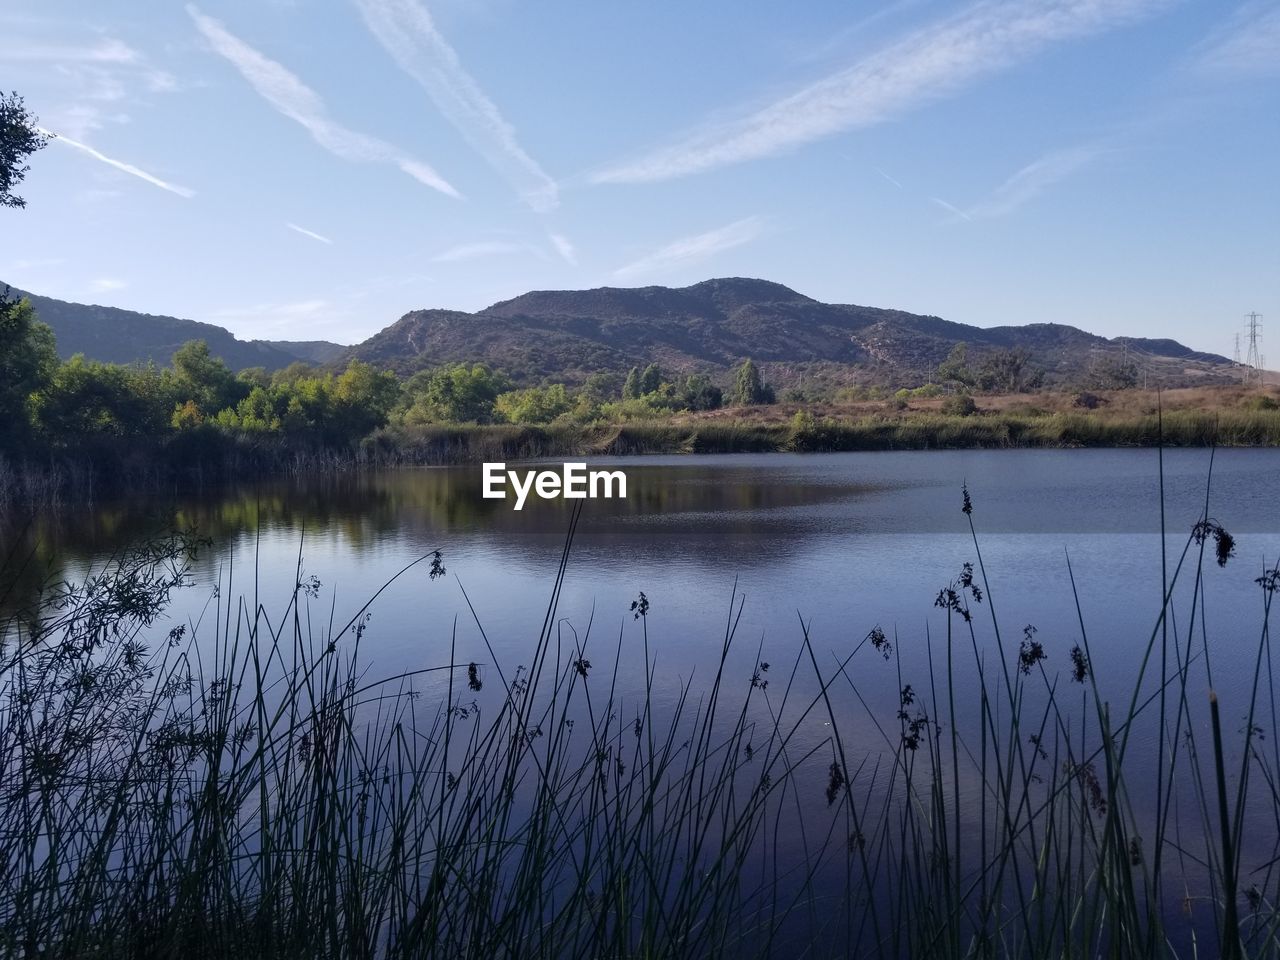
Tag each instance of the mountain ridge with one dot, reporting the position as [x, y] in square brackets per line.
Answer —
[717, 323]
[710, 326]
[115, 335]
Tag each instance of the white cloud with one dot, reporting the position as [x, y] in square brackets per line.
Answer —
[105, 51]
[1248, 45]
[295, 310]
[296, 319]
[124, 167]
[406, 30]
[1032, 180]
[291, 97]
[474, 251]
[694, 249]
[564, 248]
[85, 84]
[308, 233]
[927, 65]
[162, 81]
[887, 177]
[951, 208]
[33, 263]
[107, 285]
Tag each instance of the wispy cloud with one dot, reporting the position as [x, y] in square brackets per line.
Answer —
[887, 177]
[407, 31]
[694, 249]
[291, 97]
[32, 263]
[932, 63]
[85, 81]
[951, 208]
[1247, 45]
[475, 251]
[256, 320]
[107, 284]
[104, 51]
[1032, 180]
[564, 248]
[308, 233]
[123, 167]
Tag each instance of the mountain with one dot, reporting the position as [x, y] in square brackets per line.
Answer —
[123, 336]
[708, 327]
[716, 324]
[311, 351]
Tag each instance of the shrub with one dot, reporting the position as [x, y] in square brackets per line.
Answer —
[959, 405]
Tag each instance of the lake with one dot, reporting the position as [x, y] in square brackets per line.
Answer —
[841, 543]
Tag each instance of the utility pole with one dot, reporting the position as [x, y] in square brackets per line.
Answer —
[1253, 330]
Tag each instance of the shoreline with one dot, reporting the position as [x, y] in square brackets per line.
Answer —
[206, 457]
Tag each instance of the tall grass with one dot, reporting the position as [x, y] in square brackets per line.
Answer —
[206, 457]
[245, 787]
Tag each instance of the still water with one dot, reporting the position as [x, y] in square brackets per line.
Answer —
[842, 543]
[846, 541]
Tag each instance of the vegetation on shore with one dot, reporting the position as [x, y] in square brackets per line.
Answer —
[242, 784]
[77, 429]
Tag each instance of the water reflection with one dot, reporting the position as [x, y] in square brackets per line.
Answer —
[848, 542]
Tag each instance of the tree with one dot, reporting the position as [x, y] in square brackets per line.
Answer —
[86, 398]
[20, 136]
[28, 359]
[699, 393]
[650, 380]
[363, 398]
[956, 366]
[534, 405]
[631, 389]
[748, 389]
[206, 379]
[1009, 371]
[457, 394]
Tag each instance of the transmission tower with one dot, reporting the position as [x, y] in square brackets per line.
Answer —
[1235, 357]
[1253, 359]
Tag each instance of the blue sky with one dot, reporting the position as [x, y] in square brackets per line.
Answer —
[303, 169]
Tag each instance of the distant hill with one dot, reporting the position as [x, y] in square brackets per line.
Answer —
[123, 336]
[710, 326]
[311, 351]
[717, 323]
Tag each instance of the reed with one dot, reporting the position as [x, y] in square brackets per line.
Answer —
[242, 785]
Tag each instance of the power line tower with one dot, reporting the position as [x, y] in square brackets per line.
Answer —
[1235, 357]
[1253, 359]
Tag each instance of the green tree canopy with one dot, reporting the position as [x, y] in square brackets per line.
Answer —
[699, 393]
[650, 380]
[28, 358]
[85, 398]
[461, 393]
[206, 379]
[748, 388]
[956, 367]
[631, 388]
[20, 136]
[534, 405]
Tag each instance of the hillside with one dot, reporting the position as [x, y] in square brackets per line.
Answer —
[124, 336]
[708, 327]
[717, 323]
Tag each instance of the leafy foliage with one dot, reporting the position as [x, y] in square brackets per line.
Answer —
[20, 136]
[748, 388]
[27, 361]
[462, 393]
